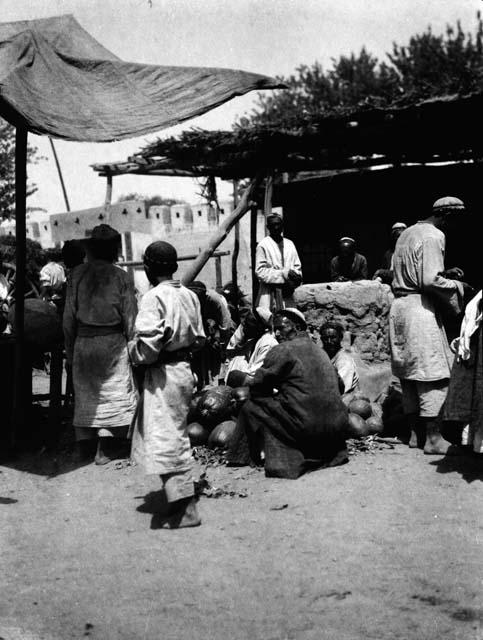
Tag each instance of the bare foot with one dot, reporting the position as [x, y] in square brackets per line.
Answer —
[413, 440]
[185, 516]
[438, 446]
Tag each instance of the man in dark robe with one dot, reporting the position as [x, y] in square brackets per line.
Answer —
[295, 409]
[348, 265]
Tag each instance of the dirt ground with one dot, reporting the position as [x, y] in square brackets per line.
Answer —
[385, 547]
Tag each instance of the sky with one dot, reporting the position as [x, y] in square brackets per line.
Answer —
[271, 37]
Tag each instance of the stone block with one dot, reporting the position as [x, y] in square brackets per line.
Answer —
[361, 307]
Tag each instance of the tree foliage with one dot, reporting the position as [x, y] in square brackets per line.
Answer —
[429, 65]
[7, 169]
[149, 200]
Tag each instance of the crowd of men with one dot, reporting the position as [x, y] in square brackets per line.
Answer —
[136, 364]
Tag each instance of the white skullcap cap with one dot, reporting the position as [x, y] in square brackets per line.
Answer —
[399, 225]
[294, 314]
[347, 239]
[448, 204]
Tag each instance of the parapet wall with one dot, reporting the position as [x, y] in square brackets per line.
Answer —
[361, 307]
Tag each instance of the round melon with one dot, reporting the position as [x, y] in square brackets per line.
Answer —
[375, 425]
[356, 427]
[214, 406]
[361, 407]
[198, 435]
[222, 435]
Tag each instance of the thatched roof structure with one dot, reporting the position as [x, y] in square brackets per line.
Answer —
[440, 129]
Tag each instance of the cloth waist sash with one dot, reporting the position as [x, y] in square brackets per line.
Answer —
[91, 331]
[167, 357]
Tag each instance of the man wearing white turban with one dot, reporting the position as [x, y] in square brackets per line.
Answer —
[420, 353]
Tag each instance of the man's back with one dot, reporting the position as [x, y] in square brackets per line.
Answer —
[420, 242]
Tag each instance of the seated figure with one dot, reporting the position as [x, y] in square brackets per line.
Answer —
[295, 412]
[331, 334]
[348, 265]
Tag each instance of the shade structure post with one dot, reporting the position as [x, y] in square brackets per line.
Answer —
[222, 232]
[61, 177]
[253, 251]
[267, 204]
[236, 246]
[20, 264]
[108, 198]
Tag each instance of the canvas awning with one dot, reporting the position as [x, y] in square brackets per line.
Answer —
[57, 80]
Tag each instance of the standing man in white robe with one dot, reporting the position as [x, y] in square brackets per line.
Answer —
[277, 267]
[420, 352]
[167, 329]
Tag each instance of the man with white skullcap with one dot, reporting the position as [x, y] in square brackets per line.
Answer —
[420, 353]
[384, 273]
[348, 265]
[295, 407]
[277, 267]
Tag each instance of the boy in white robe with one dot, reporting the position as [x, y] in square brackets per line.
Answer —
[167, 329]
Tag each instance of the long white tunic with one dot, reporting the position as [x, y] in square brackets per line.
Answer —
[272, 267]
[419, 346]
[169, 320]
[100, 301]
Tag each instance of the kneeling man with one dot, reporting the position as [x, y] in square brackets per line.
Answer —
[295, 411]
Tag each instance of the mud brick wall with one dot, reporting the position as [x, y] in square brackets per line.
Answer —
[361, 307]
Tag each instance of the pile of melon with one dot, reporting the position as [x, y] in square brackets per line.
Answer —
[364, 417]
[212, 416]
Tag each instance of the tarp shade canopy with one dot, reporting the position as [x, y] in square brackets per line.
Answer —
[56, 80]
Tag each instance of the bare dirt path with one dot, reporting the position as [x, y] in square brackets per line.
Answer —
[387, 547]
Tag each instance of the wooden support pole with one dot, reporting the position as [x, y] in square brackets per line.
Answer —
[253, 250]
[221, 232]
[108, 198]
[19, 400]
[61, 178]
[236, 246]
[267, 205]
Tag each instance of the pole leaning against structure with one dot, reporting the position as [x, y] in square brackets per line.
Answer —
[20, 268]
[61, 177]
[236, 245]
[222, 231]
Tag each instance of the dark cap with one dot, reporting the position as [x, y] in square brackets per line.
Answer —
[160, 253]
[104, 232]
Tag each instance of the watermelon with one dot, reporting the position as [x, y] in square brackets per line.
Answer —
[361, 407]
[198, 435]
[357, 427]
[374, 425]
[222, 435]
[214, 406]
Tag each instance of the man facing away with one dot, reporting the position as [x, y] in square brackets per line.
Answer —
[348, 265]
[420, 353]
[167, 329]
[277, 267]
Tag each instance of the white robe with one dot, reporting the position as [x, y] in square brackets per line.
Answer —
[419, 346]
[169, 320]
[272, 268]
